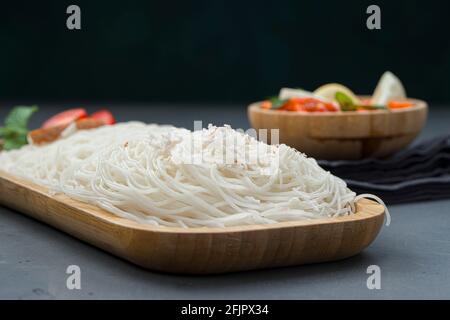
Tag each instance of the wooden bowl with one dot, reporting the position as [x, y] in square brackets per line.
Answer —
[199, 250]
[344, 135]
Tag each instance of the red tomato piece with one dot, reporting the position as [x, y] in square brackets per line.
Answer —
[309, 104]
[105, 116]
[290, 105]
[65, 118]
[266, 104]
[331, 107]
[321, 107]
[399, 104]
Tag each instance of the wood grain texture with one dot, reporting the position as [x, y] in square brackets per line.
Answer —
[199, 250]
[344, 135]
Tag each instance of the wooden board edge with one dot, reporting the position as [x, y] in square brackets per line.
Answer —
[198, 252]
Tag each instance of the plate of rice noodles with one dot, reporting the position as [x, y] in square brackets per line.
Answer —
[169, 199]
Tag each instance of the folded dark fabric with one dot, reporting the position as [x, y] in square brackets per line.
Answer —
[421, 172]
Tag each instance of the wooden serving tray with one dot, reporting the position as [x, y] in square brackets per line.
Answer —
[199, 250]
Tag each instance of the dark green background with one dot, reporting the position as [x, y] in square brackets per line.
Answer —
[218, 51]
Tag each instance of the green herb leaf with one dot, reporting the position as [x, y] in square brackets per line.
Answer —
[15, 141]
[277, 102]
[14, 133]
[345, 102]
[19, 116]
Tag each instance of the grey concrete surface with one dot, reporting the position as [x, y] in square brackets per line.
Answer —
[413, 252]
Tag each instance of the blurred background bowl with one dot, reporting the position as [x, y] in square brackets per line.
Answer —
[344, 135]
